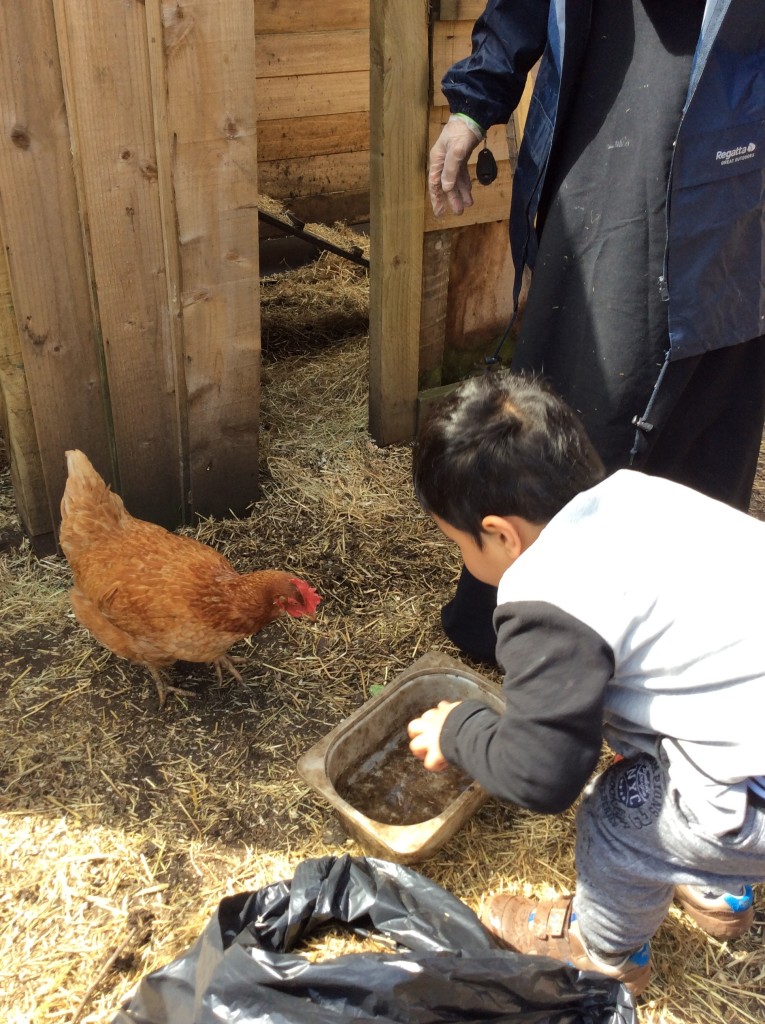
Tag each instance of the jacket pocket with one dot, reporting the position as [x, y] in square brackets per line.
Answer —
[719, 155]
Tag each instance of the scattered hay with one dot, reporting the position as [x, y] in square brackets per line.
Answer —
[317, 305]
[122, 827]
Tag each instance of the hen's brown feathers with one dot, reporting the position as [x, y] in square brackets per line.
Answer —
[152, 596]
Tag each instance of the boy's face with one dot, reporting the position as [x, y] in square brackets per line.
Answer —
[489, 562]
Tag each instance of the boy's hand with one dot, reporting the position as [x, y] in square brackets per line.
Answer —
[425, 733]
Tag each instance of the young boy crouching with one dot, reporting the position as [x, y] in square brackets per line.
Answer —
[623, 615]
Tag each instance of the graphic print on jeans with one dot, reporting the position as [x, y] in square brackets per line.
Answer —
[634, 793]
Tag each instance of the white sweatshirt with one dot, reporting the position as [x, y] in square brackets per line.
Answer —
[637, 615]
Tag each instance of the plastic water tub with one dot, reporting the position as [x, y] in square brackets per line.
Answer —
[365, 756]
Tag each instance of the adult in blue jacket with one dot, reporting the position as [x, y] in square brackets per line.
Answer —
[638, 205]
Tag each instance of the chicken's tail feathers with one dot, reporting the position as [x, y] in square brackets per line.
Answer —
[85, 489]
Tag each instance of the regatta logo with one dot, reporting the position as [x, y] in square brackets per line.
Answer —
[735, 156]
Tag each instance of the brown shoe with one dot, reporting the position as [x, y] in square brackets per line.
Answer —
[721, 915]
[546, 928]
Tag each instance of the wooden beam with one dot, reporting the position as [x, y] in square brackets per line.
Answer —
[436, 260]
[399, 117]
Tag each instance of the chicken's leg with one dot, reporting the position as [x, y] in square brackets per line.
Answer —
[163, 688]
[227, 663]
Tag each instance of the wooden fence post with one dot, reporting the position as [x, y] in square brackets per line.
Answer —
[399, 122]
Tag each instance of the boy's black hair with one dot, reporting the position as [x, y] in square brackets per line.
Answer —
[501, 444]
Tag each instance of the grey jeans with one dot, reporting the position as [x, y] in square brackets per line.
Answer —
[635, 843]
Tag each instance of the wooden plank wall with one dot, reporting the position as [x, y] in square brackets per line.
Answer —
[459, 296]
[312, 63]
[51, 373]
[128, 215]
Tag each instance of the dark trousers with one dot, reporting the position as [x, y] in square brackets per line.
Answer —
[707, 430]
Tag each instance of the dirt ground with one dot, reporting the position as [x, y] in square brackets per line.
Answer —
[123, 825]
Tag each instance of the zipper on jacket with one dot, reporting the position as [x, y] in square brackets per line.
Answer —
[663, 278]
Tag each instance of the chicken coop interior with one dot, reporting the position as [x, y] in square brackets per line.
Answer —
[222, 281]
[138, 162]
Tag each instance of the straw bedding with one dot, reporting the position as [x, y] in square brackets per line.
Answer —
[122, 826]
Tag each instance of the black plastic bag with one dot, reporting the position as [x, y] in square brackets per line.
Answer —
[444, 967]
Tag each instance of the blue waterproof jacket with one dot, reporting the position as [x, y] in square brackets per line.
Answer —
[713, 277]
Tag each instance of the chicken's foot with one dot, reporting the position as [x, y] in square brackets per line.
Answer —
[228, 664]
[163, 687]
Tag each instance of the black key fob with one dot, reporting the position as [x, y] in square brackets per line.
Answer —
[486, 167]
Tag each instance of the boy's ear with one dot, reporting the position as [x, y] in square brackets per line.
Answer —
[507, 531]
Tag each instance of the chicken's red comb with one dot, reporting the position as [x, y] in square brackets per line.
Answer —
[310, 599]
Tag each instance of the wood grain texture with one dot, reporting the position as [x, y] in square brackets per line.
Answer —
[399, 112]
[480, 287]
[312, 95]
[300, 137]
[312, 63]
[436, 261]
[310, 176]
[451, 42]
[51, 373]
[460, 10]
[298, 16]
[202, 58]
[17, 423]
[312, 53]
[108, 88]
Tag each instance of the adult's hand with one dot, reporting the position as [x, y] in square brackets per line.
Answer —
[448, 175]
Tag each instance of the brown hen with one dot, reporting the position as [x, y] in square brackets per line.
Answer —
[154, 597]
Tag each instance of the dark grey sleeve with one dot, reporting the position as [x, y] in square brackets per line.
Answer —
[542, 750]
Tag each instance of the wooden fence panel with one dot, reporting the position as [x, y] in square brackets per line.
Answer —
[451, 42]
[202, 60]
[312, 137]
[298, 53]
[274, 16]
[17, 426]
[460, 10]
[303, 96]
[312, 62]
[105, 60]
[129, 218]
[55, 351]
